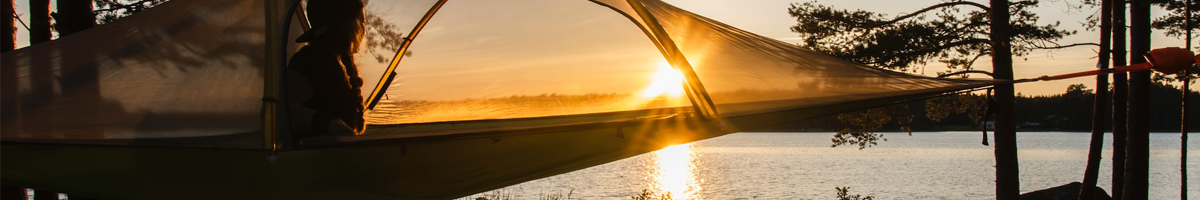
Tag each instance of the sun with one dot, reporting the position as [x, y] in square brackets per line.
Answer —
[667, 81]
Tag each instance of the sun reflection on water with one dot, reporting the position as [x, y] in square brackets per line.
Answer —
[675, 172]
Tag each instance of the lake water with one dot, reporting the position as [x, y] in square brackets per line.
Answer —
[926, 165]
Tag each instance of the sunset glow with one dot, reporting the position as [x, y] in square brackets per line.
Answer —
[667, 81]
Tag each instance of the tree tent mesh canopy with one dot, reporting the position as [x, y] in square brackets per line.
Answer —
[492, 93]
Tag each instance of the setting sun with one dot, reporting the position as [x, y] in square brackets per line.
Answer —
[666, 81]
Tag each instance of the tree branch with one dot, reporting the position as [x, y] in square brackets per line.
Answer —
[967, 66]
[1067, 46]
[966, 72]
[15, 16]
[947, 46]
[927, 9]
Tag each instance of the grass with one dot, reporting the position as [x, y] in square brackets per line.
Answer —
[650, 195]
[503, 194]
[843, 194]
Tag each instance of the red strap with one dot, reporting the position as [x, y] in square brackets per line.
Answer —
[1128, 68]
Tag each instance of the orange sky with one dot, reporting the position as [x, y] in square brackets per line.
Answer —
[769, 18]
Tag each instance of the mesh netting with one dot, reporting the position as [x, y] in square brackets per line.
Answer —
[746, 73]
[474, 61]
[182, 69]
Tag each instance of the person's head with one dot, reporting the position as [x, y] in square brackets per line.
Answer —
[335, 23]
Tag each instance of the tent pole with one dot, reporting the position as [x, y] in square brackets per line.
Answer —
[272, 84]
[390, 73]
[700, 98]
[299, 12]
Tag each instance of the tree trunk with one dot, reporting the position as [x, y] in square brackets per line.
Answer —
[1137, 151]
[39, 31]
[8, 87]
[1007, 180]
[1183, 131]
[10, 28]
[10, 192]
[1183, 114]
[8, 75]
[39, 21]
[1087, 190]
[74, 16]
[1120, 91]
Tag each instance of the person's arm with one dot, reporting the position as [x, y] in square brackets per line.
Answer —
[304, 119]
[299, 90]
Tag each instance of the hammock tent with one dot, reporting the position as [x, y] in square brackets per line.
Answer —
[181, 101]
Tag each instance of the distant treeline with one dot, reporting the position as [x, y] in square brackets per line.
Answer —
[1069, 111]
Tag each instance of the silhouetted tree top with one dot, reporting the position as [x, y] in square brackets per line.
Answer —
[111, 10]
[946, 33]
[1173, 24]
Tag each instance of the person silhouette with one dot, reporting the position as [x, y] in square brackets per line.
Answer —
[324, 89]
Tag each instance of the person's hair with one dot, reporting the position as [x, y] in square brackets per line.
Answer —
[343, 20]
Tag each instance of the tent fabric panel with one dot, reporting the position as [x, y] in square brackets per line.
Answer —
[413, 170]
[623, 7]
[738, 66]
[183, 69]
